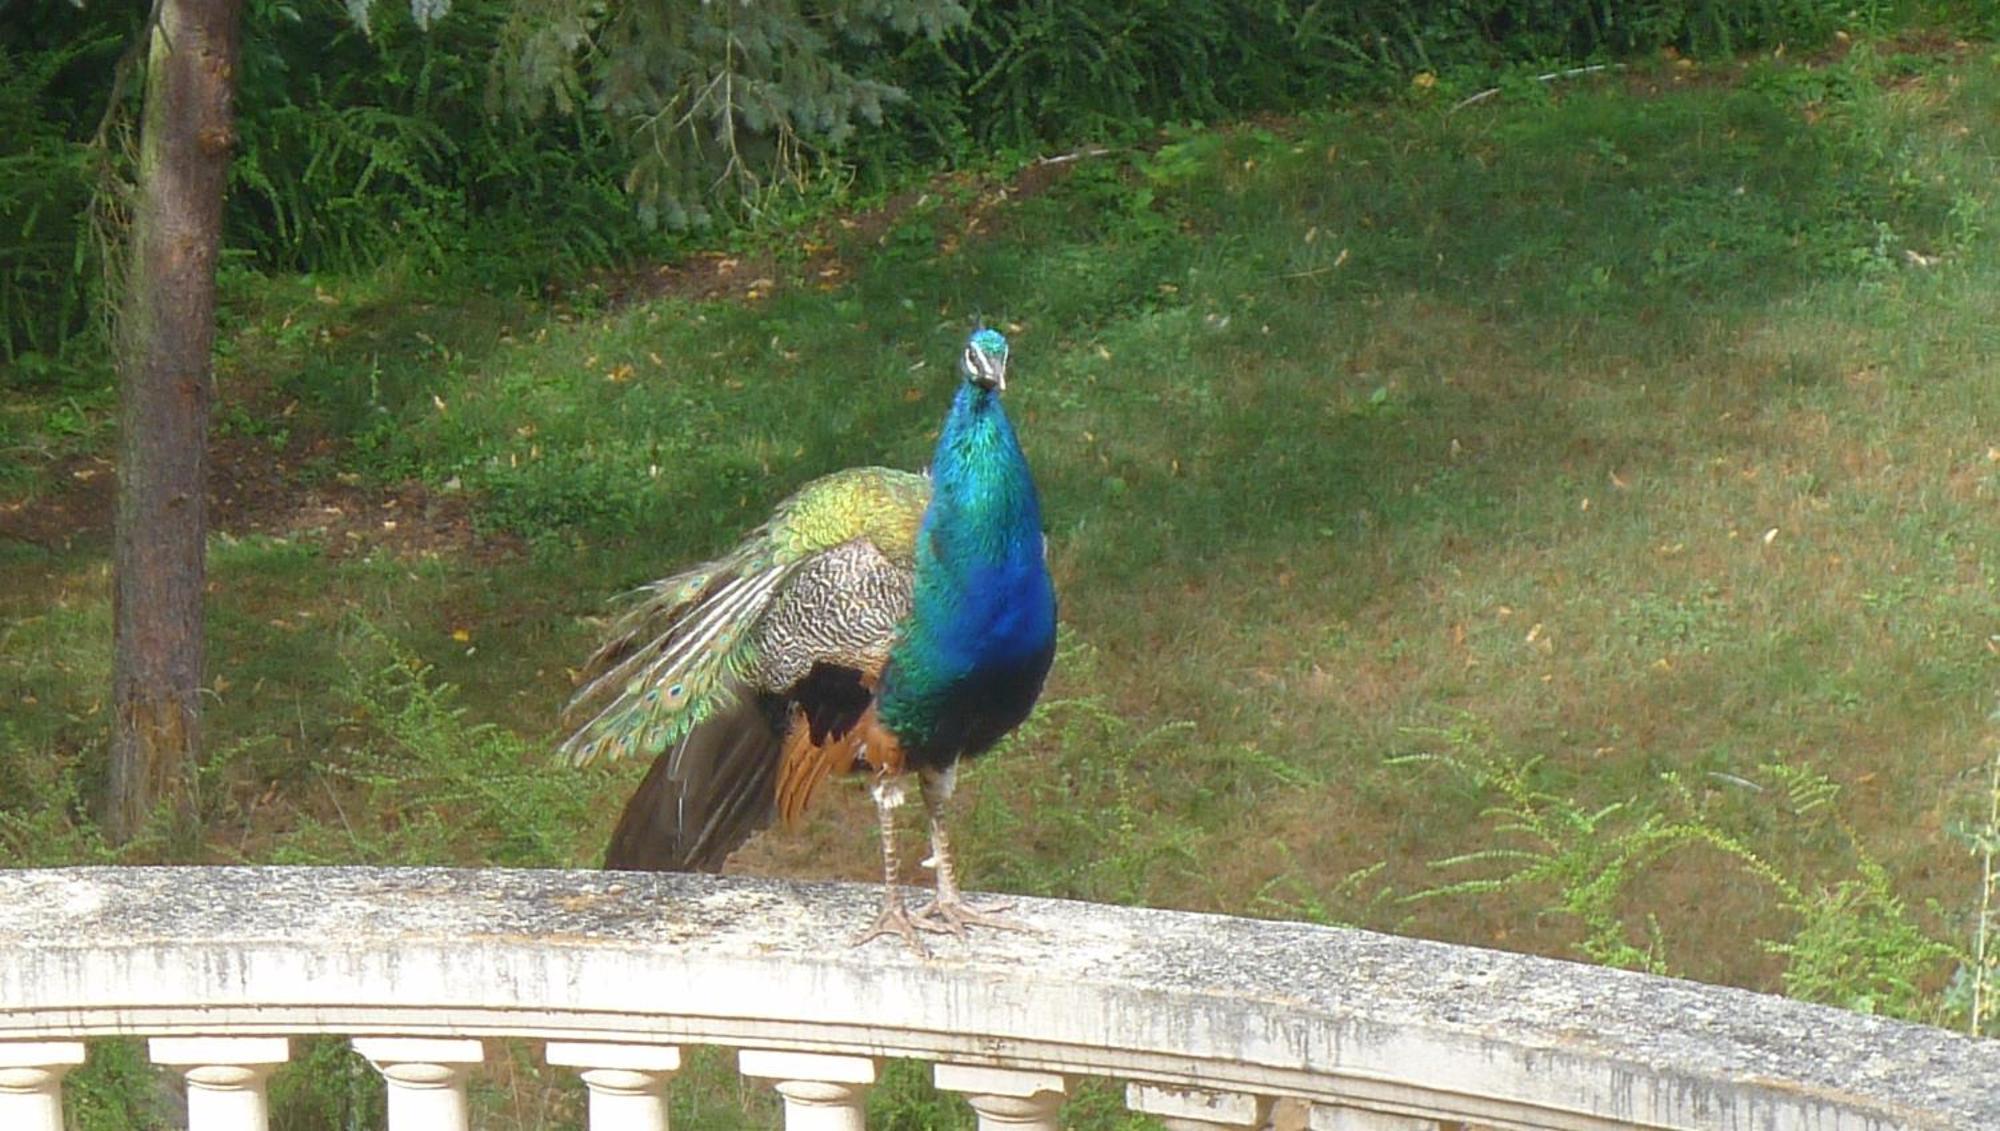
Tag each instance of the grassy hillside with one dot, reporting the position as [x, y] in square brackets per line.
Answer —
[1561, 523]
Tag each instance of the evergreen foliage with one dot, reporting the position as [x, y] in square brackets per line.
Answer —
[718, 101]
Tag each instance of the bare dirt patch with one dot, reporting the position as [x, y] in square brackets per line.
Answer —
[819, 256]
[74, 506]
[256, 488]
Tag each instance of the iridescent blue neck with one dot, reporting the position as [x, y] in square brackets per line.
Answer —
[980, 485]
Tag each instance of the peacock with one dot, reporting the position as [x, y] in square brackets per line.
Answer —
[880, 622]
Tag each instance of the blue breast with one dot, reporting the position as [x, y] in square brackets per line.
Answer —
[1004, 613]
[981, 631]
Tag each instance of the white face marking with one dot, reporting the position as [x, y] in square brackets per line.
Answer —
[986, 369]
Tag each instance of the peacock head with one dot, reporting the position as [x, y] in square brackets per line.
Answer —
[985, 360]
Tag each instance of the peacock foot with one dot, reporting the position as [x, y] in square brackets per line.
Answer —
[895, 919]
[953, 915]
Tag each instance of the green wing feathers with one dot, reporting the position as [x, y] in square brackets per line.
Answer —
[879, 504]
[690, 645]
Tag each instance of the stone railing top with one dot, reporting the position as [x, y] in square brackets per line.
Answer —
[1184, 999]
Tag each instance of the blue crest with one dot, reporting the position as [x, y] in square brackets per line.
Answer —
[989, 342]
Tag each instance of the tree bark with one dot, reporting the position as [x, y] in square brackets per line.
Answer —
[166, 350]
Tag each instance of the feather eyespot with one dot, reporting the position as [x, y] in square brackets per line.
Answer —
[677, 692]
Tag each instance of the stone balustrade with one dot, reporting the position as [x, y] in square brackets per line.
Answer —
[1211, 1022]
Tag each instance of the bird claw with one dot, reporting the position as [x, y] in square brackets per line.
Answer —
[938, 917]
[953, 916]
[895, 920]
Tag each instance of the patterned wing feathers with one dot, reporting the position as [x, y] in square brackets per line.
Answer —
[670, 661]
[843, 606]
[681, 652]
[824, 642]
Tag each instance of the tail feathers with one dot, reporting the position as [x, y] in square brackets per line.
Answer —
[667, 662]
[703, 797]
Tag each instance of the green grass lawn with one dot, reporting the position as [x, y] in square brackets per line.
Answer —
[1563, 524]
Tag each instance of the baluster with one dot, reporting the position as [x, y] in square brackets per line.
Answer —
[426, 1079]
[628, 1083]
[822, 1093]
[1197, 1109]
[31, 1074]
[226, 1078]
[1340, 1117]
[1006, 1097]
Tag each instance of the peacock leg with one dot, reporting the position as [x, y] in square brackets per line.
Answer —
[948, 912]
[895, 917]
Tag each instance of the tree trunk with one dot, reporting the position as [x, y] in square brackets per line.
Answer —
[166, 345]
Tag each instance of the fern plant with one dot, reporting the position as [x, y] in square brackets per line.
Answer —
[358, 148]
[1856, 942]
